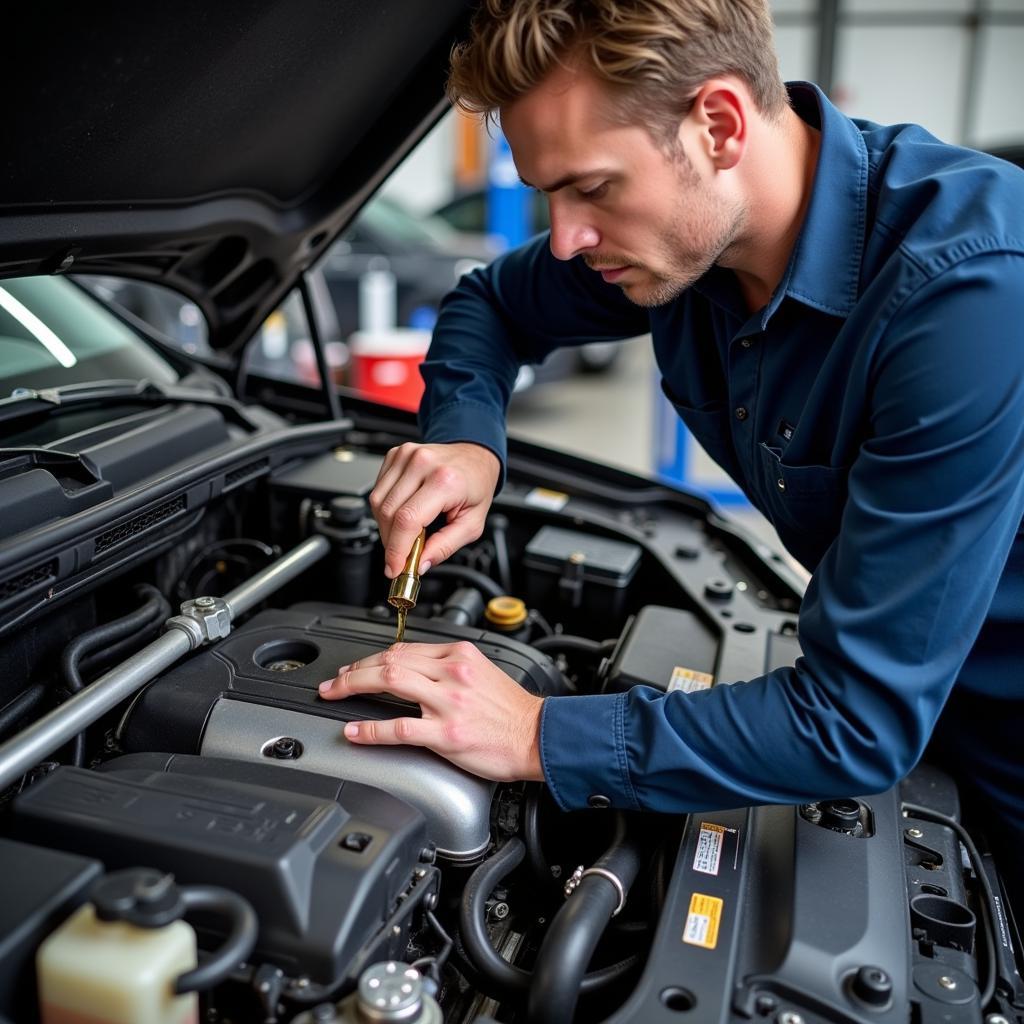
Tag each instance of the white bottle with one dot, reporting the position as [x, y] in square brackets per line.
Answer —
[112, 972]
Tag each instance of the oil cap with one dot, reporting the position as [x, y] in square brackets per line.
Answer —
[505, 612]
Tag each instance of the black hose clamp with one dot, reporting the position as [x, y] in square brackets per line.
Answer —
[573, 882]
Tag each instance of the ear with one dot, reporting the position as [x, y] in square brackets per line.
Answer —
[720, 113]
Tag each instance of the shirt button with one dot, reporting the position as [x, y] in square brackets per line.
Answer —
[741, 413]
[781, 484]
[598, 801]
[746, 343]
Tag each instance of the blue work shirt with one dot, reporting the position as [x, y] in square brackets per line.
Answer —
[874, 412]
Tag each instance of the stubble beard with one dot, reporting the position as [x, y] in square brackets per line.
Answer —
[699, 215]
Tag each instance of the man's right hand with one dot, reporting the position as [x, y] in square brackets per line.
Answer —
[420, 481]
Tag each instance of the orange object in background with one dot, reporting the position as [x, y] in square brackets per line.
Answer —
[385, 365]
[470, 152]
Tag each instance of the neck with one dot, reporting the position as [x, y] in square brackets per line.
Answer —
[781, 179]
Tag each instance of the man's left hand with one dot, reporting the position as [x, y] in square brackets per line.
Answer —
[473, 714]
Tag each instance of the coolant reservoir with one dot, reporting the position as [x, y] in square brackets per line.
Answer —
[94, 971]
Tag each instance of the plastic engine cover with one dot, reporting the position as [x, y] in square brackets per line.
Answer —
[324, 863]
[253, 697]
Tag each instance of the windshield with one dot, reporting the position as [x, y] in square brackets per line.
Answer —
[52, 333]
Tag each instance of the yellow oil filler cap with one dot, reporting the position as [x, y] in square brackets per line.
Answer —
[505, 612]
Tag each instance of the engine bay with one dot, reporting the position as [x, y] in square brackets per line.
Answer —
[147, 750]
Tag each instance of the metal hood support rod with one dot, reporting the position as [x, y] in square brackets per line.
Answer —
[202, 620]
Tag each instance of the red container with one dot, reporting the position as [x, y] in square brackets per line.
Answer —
[386, 365]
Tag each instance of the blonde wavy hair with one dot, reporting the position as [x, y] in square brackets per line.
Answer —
[653, 54]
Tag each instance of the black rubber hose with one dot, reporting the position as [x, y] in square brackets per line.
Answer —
[576, 931]
[582, 644]
[483, 583]
[109, 633]
[109, 655]
[499, 526]
[21, 707]
[464, 607]
[531, 834]
[235, 948]
[498, 978]
[104, 636]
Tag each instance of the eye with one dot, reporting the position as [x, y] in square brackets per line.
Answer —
[594, 193]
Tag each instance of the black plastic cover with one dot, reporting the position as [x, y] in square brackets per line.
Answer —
[665, 647]
[274, 835]
[255, 664]
[603, 560]
[39, 890]
[327, 476]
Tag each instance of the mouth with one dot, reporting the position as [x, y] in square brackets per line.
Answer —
[612, 274]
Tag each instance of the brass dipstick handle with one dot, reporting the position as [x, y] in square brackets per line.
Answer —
[405, 587]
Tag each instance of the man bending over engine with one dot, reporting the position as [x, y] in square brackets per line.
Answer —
[836, 311]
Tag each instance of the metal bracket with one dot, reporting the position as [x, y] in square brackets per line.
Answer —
[573, 882]
[203, 620]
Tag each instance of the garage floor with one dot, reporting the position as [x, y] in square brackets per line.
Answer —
[608, 416]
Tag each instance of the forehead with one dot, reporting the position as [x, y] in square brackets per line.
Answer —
[568, 116]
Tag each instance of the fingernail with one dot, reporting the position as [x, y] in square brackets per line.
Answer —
[389, 573]
[325, 685]
[351, 730]
[424, 566]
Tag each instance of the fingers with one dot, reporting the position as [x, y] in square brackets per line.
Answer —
[376, 673]
[420, 510]
[395, 679]
[416, 483]
[462, 529]
[416, 732]
[411, 492]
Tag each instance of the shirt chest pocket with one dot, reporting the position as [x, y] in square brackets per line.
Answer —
[805, 503]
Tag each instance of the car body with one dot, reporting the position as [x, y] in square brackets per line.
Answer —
[467, 212]
[187, 550]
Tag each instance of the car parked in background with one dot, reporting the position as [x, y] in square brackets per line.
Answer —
[467, 212]
[424, 256]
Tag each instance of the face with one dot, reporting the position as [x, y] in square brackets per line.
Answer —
[645, 218]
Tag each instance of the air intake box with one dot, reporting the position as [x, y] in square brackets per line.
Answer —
[325, 863]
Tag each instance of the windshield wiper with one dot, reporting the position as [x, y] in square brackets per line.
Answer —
[28, 403]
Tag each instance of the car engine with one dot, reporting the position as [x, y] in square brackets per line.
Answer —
[172, 594]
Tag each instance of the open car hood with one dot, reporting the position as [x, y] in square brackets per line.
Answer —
[212, 148]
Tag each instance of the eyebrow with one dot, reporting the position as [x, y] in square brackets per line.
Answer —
[568, 179]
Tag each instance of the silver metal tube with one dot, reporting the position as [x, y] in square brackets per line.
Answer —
[58, 726]
[275, 576]
[43, 737]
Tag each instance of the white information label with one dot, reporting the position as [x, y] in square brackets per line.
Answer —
[689, 680]
[541, 497]
[697, 928]
[709, 848]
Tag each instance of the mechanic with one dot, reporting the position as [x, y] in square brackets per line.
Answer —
[836, 309]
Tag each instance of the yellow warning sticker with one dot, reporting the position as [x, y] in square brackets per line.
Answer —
[703, 920]
[689, 680]
[541, 497]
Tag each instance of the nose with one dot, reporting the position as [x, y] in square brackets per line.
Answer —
[572, 231]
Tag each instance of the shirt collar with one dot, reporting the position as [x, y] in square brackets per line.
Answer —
[824, 267]
[824, 270]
